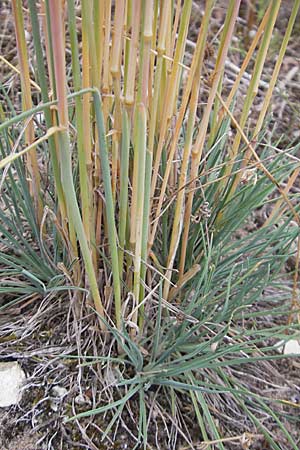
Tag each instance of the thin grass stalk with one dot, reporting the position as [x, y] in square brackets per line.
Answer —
[88, 15]
[145, 233]
[131, 68]
[147, 14]
[252, 92]
[171, 91]
[109, 206]
[257, 71]
[93, 176]
[179, 51]
[98, 15]
[117, 37]
[31, 159]
[179, 207]
[127, 40]
[231, 16]
[214, 127]
[166, 71]
[152, 55]
[165, 217]
[169, 53]
[116, 76]
[2, 114]
[174, 173]
[124, 180]
[140, 150]
[83, 174]
[200, 47]
[200, 140]
[49, 50]
[168, 110]
[142, 96]
[86, 120]
[57, 34]
[55, 121]
[267, 100]
[245, 63]
[279, 60]
[129, 100]
[161, 48]
[176, 22]
[106, 63]
[46, 33]
[41, 73]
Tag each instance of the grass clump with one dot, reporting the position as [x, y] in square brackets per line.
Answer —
[130, 197]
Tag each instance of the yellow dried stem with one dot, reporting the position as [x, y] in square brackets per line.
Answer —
[131, 68]
[198, 147]
[179, 208]
[116, 76]
[251, 94]
[56, 8]
[87, 79]
[170, 95]
[200, 47]
[106, 86]
[246, 61]
[31, 158]
[129, 100]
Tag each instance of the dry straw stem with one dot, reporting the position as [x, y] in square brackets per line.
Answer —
[245, 63]
[142, 97]
[140, 150]
[168, 107]
[115, 71]
[32, 164]
[129, 98]
[57, 35]
[253, 85]
[56, 153]
[199, 144]
[252, 91]
[84, 131]
[176, 133]
[85, 194]
[179, 208]
[42, 78]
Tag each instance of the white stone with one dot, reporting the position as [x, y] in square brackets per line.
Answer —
[11, 379]
[292, 347]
